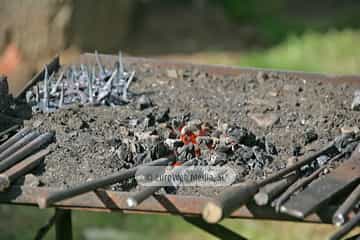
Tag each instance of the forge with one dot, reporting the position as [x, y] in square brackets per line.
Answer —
[112, 115]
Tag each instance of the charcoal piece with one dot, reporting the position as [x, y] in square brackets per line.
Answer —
[216, 133]
[159, 150]
[350, 148]
[322, 160]
[310, 136]
[296, 150]
[242, 136]
[133, 122]
[143, 102]
[224, 148]
[204, 140]
[123, 152]
[113, 141]
[342, 141]
[149, 120]
[261, 157]
[186, 153]
[270, 148]
[142, 158]
[173, 144]
[163, 116]
[242, 155]
[217, 158]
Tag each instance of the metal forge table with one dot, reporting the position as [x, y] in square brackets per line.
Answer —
[189, 207]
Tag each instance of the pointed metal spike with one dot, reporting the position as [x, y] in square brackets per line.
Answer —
[55, 87]
[121, 65]
[45, 89]
[98, 62]
[37, 95]
[90, 86]
[61, 100]
[125, 89]
[105, 91]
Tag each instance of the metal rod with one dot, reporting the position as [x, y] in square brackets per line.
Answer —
[125, 89]
[45, 201]
[267, 193]
[10, 129]
[55, 87]
[137, 198]
[347, 227]
[98, 62]
[25, 151]
[63, 224]
[296, 186]
[345, 208]
[19, 144]
[46, 90]
[14, 139]
[228, 201]
[18, 170]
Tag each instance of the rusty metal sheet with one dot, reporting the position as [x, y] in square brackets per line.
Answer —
[306, 202]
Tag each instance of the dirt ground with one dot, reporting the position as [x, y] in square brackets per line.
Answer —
[297, 115]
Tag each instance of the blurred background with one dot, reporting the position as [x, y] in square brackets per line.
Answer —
[320, 36]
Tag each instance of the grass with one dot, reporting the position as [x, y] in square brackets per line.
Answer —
[21, 223]
[334, 51]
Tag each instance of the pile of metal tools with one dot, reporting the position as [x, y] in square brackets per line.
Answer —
[82, 84]
[298, 193]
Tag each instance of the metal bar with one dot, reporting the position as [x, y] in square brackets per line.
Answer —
[347, 227]
[63, 224]
[46, 201]
[267, 193]
[10, 175]
[26, 150]
[228, 201]
[341, 214]
[9, 130]
[23, 132]
[53, 66]
[216, 230]
[138, 197]
[17, 145]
